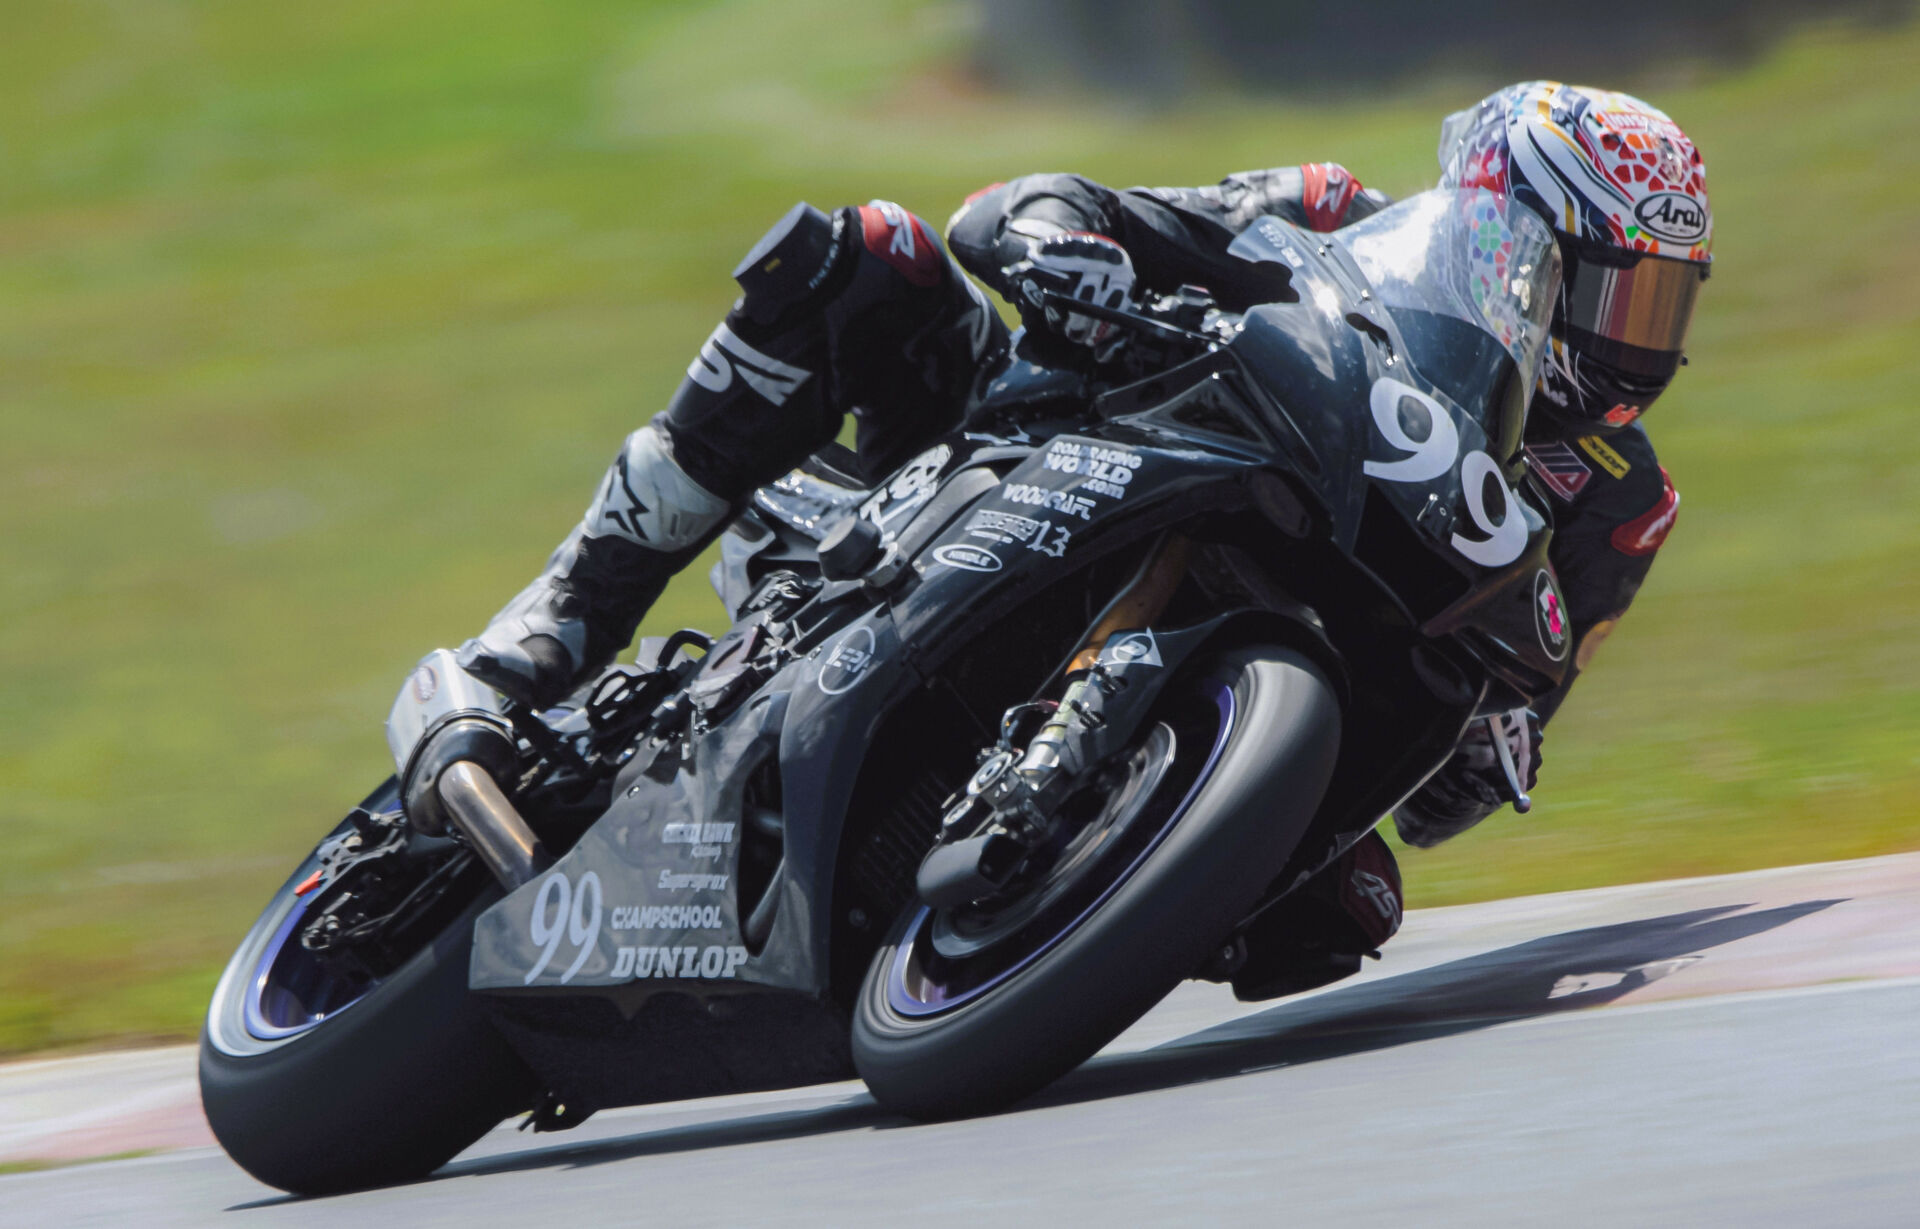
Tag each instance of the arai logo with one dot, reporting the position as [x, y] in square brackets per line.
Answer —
[968, 558]
[1672, 216]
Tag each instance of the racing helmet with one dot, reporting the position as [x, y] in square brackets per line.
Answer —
[1626, 194]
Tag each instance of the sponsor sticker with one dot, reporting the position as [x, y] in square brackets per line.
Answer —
[1131, 649]
[1040, 497]
[707, 840]
[1549, 615]
[907, 490]
[848, 661]
[678, 881]
[697, 834]
[712, 963]
[1105, 471]
[666, 917]
[967, 557]
[1602, 452]
[1565, 474]
[1672, 216]
[1005, 528]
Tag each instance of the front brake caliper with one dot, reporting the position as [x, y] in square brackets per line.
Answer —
[1007, 807]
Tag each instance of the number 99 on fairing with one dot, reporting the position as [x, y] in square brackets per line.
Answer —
[562, 912]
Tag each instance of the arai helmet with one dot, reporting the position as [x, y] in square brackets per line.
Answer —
[1625, 192]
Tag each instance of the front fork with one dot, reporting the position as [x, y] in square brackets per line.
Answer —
[1006, 809]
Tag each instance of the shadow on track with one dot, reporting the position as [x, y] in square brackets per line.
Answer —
[1563, 972]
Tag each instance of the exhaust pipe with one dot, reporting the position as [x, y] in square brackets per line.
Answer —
[489, 822]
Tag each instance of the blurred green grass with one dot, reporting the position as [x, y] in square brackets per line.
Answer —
[317, 325]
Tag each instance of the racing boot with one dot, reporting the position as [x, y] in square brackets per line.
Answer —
[647, 521]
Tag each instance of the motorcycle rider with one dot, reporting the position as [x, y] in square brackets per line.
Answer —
[864, 310]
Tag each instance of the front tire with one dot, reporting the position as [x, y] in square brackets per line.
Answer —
[385, 1088]
[943, 1053]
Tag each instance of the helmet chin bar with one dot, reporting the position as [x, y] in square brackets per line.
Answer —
[1579, 392]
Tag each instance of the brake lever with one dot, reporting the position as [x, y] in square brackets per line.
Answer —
[1495, 726]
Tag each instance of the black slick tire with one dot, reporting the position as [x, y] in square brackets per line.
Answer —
[385, 1091]
[1151, 934]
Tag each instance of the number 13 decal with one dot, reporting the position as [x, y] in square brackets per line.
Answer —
[1505, 538]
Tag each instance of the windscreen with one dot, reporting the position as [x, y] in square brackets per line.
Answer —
[1470, 257]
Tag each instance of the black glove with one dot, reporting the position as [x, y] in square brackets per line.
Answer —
[1472, 785]
[1080, 265]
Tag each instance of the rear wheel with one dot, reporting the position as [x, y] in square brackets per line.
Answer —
[967, 1010]
[315, 1080]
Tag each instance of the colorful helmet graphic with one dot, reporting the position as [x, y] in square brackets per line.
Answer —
[1626, 192]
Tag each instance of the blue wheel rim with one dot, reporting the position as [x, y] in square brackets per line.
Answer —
[290, 991]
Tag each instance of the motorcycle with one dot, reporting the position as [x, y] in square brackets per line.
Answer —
[994, 755]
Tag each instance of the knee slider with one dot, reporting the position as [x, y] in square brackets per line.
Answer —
[789, 264]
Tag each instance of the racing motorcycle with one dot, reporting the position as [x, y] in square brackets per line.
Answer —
[993, 755]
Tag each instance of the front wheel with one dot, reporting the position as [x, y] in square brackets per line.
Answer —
[965, 1011]
[315, 1081]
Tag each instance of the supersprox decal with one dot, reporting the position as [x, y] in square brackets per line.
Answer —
[674, 881]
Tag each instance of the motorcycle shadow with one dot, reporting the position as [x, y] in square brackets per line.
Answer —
[1571, 971]
[1557, 973]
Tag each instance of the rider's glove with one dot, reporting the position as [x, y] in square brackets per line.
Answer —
[1080, 265]
[1473, 784]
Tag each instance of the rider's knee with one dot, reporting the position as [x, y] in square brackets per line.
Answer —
[812, 268]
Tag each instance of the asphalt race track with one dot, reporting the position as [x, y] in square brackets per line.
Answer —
[1717, 1051]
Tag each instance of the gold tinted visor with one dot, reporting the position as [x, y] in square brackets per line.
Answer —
[1634, 318]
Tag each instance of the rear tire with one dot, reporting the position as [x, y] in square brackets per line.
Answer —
[1239, 825]
[387, 1090]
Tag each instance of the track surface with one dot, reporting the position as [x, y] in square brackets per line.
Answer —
[1731, 1051]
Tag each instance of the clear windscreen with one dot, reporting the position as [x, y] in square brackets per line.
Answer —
[1468, 255]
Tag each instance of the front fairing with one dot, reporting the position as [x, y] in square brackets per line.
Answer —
[1401, 371]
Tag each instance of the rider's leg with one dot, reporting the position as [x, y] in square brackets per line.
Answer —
[862, 309]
